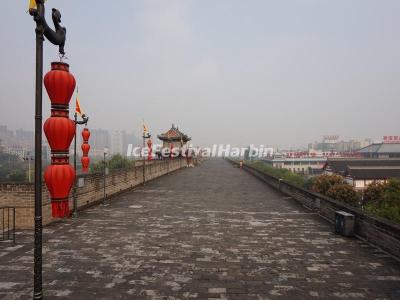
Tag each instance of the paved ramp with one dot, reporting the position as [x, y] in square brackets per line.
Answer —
[212, 232]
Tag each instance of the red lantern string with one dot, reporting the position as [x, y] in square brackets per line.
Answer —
[149, 145]
[59, 131]
[85, 160]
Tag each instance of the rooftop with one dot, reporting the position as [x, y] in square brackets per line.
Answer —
[374, 172]
[381, 148]
[174, 134]
[340, 165]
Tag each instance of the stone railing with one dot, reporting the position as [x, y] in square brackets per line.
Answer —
[21, 195]
[378, 231]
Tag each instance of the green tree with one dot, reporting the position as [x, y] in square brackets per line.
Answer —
[117, 161]
[322, 183]
[308, 184]
[373, 194]
[97, 167]
[17, 175]
[284, 174]
[344, 193]
[389, 208]
[392, 192]
[12, 168]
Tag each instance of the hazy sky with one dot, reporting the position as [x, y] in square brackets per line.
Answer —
[271, 72]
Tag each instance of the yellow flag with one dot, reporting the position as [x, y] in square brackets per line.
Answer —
[78, 109]
[144, 128]
[32, 4]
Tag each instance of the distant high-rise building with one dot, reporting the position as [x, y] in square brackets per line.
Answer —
[130, 138]
[120, 140]
[117, 142]
[6, 135]
[24, 134]
[333, 144]
[99, 139]
[46, 152]
[25, 138]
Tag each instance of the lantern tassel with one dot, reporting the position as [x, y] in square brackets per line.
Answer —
[60, 209]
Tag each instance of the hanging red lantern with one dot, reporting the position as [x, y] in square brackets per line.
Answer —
[85, 149]
[149, 145]
[59, 130]
[85, 134]
[59, 83]
[85, 160]
[59, 180]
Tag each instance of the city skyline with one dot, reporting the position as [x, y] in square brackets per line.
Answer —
[137, 137]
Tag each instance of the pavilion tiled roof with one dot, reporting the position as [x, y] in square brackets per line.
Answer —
[174, 134]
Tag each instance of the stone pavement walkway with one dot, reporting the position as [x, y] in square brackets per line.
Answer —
[212, 232]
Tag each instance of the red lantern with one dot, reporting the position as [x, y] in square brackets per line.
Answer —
[85, 160]
[59, 180]
[85, 149]
[85, 134]
[149, 145]
[59, 83]
[59, 132]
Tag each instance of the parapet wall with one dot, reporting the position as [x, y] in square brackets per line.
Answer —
[21, 195]
[378, 231]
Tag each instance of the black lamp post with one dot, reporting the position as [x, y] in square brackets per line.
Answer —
[56, 37]
[84, 121]
[145, 136]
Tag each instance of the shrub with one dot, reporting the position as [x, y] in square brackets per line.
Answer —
[117, 161]
[392, 192]
[284, 174]
[17, 175]
[373, 194]
[323, 183]
[380, 199]
[12, 168]
[308, 184]
[344, 193]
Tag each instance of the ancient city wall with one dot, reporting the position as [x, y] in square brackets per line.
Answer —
[380, 232]
[21, 195]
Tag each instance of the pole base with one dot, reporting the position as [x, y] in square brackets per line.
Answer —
[38, 296]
